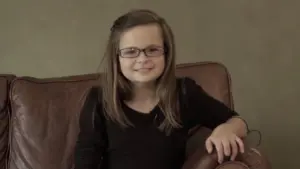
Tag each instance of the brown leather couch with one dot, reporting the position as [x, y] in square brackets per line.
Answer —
[39, 120]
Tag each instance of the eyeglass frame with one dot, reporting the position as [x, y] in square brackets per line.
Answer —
[162, 49]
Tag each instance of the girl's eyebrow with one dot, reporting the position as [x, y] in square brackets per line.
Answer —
[151, 45]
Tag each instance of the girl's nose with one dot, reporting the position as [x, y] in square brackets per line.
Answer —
[142, 57]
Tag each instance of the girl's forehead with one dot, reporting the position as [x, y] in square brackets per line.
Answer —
[141, 36]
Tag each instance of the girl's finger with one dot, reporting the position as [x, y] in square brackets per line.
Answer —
[234, 149]
[219, 149]
[227, 148]
[209, 145]
[241, 144]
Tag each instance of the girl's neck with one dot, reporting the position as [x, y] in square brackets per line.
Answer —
[144, 92]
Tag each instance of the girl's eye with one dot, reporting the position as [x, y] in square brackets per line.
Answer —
[129, 52]
[153, 49]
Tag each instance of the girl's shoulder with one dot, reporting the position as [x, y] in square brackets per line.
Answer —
[93, 99]
[94, 93]
[187, 85]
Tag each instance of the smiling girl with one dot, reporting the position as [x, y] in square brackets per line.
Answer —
[135, 119]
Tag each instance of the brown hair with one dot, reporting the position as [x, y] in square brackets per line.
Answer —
[117, 88]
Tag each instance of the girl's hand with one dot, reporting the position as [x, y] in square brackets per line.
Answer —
[225, 141]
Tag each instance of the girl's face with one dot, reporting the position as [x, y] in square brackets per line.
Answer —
[141, 53]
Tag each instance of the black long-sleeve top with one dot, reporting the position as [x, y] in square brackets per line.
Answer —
[143, 146]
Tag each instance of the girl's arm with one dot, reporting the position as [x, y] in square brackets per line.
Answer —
[210, 112]
[228, 127]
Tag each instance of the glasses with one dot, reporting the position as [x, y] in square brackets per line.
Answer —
[133, 52]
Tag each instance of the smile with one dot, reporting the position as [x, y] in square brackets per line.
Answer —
[144, 69]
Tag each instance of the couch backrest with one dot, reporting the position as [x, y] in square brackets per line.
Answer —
[45, 113]
[213, 77]
[4, 118]
[44, 120]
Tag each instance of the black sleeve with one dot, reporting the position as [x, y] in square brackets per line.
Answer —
[90, 142]
[203, 109]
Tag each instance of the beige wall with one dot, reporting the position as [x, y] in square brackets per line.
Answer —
[256, 40]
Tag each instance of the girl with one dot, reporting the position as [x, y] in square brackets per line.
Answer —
[136, 120]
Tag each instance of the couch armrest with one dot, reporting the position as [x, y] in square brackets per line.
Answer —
[200, 160]
[254, 159]
[251, 159]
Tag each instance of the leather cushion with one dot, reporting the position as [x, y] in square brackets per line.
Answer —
[233, 165]
[4, 118]
[45, 120]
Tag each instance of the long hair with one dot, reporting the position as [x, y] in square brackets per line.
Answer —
[115, 87]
